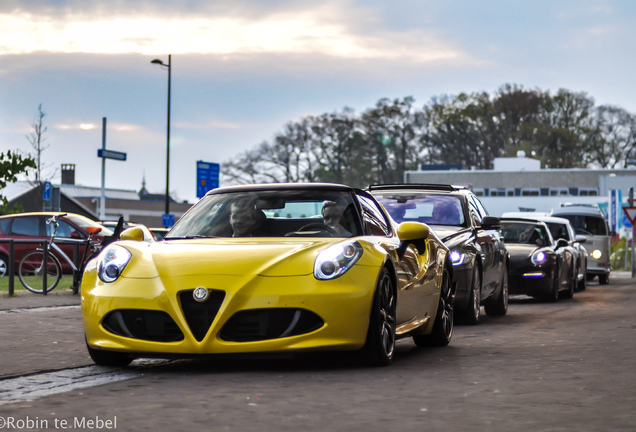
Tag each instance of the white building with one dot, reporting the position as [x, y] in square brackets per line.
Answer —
[519, 184]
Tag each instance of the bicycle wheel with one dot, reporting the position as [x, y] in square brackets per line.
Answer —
[31, 274]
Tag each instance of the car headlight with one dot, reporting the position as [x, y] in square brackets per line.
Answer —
[336, 260]
[457, 258]
[597, 254]
[539, 258]
[112, 262]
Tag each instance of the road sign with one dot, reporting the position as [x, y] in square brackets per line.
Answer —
[207, 177]
[630, 212]
[625, 222]
[613, 214]
[46, 191]
[168, 220]
[111, 154]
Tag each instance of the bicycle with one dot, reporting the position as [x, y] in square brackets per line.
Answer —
[31, 266]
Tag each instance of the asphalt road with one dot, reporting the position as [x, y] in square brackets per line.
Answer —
[565, 366]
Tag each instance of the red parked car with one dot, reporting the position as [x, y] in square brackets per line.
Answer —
[33, 226]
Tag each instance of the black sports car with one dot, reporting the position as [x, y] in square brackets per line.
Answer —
[478, 252]
[539, 266]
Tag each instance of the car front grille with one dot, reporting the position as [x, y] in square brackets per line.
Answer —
[150, 325]
[263, 324]
[200, 315]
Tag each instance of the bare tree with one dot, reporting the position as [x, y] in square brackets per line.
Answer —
[564, 130]
[36, 138]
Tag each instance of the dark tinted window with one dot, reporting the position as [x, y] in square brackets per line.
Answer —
[524, 233]
[480, 206]
[475, 211]
[26, 226]
[4, 225]
[559, 231]
[430, 209]
[374, 221]
[587, 225]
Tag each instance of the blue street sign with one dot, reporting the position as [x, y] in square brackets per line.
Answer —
[167, 220]
[46, 191]
[207, 177]
[613, 214]
[626, 222]
[111, 154]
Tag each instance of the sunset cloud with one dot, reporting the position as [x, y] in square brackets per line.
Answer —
[284, 33]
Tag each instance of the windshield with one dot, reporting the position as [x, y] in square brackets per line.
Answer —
[587, 224]
[83, 223]
[524, 233]
[272, 213]
[430, 209]
[559, 231]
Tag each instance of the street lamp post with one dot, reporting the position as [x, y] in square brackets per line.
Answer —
[160, 63]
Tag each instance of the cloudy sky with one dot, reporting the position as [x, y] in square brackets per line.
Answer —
[241, 69]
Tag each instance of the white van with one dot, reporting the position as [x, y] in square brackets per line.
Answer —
[591, 223]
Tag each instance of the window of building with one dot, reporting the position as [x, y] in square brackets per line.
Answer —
[530, 192]
[502, 192]
[559, 192]
[588, 192]
[479, 192]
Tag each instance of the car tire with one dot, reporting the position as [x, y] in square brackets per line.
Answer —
[603, 279]
[108, 358]
[471, 314]
[442, 332]
[4, 265]
[380, 344]
[582, 284]
[553, 296]
[569, 293]
[499, 306]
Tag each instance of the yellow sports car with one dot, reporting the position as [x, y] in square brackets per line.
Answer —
[270, 268]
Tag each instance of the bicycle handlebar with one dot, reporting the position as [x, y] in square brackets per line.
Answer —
[53, 219]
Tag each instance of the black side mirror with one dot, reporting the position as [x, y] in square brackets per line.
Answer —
[490, 222]
[561, 243]
[118, 229]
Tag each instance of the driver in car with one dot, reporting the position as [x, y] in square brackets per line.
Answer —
[242, 218]
[331, 214]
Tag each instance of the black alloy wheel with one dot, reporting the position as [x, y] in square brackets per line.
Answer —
[499, 306]
[569, 293]
[442, 332]
[380, 343]
[582, 284]
[471, 314]
[554, 294]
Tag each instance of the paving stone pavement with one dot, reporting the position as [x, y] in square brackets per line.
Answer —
[26, 299]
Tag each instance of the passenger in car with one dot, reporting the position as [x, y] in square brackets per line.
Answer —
[445, 213]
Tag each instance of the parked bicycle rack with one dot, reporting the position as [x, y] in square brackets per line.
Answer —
[45, 247]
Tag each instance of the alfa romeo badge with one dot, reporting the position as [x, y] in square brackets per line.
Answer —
[200, 294]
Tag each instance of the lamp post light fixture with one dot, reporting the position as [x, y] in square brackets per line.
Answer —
[160, 63]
